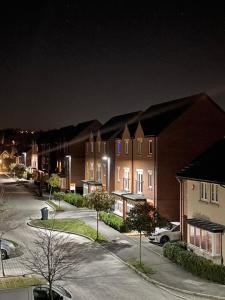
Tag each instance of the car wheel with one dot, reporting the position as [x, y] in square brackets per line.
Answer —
[4, 254]
[164, 239]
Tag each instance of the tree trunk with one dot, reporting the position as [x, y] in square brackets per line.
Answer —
[3, 271]
[140, 250]
[97, 225]
[50, 291]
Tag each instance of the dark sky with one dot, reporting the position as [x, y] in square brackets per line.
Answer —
[62, 62]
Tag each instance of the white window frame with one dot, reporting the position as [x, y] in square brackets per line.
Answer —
[126, 146]
[139, 187]
[139, 146]
[150, 179]
[214, 193]
[126, 176]
[104, 147]
[118, 203]
[213, 239]
[99, 172]
[204, 191]
[91, 173]
[150, 147]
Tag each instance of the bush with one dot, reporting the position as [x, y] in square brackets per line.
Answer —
[197, 265]
[113, 221]
[59, 195]
[74, 199]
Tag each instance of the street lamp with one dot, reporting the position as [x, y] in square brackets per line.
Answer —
[25, 158]
[107, 158]
[68, 169]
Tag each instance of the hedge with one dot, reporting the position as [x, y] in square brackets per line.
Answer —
[113, 221]
[74, 199]
[197, 265]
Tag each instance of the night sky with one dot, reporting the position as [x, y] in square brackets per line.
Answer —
[63, 62]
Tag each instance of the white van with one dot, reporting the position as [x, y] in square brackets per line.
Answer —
[39, 292]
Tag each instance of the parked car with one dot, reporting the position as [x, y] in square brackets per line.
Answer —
[162, 235]
[7, 249]
[40, 292]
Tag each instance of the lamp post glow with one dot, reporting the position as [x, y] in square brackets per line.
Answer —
[68, 157]
[106, 158]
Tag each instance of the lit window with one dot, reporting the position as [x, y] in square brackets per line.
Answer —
[99, 175]
[118, 147]
[150, 179]
[91, 173]
[150, 147]
[126, 147]
[206, 241]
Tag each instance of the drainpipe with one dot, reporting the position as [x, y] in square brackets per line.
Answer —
[132, 166]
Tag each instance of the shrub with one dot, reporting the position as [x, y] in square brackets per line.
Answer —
[74, 199]
[197, 265]
[113, 221]
[59, 195]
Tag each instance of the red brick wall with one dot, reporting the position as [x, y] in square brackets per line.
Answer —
[181, 142]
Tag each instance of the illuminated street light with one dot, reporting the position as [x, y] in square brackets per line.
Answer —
[107, 158]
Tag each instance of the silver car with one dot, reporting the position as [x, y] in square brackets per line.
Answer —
[7, 249]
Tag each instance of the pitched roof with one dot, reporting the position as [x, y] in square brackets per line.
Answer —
[209, 166]
[115, 125]
[157, 117]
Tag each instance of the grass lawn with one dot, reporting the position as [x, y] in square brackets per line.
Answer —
[142, 267]
[76, 226]
[20, 281]
[57, 207]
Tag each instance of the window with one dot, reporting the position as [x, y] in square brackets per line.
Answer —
[92, 147]
[119, 207]
[150, 147]
[118, 174]
[99, 175]
[129, 207]
[126, 179]
[203, 191]
[118, 148]
[126, 147]
[139, 146]
[91, 170]
[104, 147]
[99, 147]
[205, 240]
[214, 193]
[139, 186]
[150, 179]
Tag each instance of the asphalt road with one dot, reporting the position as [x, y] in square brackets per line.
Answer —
[99, 275]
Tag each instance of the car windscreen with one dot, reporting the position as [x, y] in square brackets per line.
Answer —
[63, 291]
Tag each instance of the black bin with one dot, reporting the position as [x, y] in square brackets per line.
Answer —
[44, 213]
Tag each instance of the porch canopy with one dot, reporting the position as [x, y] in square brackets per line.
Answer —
[206, 225]
[92, 182]
[129, 196]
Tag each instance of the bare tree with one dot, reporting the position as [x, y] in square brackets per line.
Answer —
[53, 256]
[8, 222]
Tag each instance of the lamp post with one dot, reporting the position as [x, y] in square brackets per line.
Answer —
[68, 169]
[107, 158]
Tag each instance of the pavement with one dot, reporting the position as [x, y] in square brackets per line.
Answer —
[126, 248]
